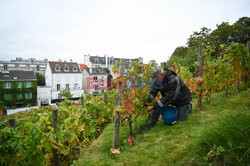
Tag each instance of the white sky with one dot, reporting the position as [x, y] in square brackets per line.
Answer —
[68, 29]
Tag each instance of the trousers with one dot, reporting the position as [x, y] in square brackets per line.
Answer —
[183, 113]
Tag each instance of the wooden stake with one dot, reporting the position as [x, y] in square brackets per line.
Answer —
[12, 123]
[118, 103]
[82, 101]
[200, 71]
[104, 97]
[54, 125]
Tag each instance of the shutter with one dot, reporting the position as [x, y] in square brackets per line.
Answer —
[7, 96]
[19, 96]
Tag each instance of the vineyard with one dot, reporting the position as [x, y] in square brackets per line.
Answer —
[33, 140]
[228, 69]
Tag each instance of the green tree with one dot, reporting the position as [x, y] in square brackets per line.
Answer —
[65, 93]
[225, 33]
[197, 38]
[40, 79]
[242, 30]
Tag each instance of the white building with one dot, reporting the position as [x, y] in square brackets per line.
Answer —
[24, 64]
[63, 75]
[94, 80]
[106, 62]
[43, 95]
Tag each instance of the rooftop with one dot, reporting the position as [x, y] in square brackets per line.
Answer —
[18, 75]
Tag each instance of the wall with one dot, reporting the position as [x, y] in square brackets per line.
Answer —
[67, 78]
[48, 76]
[14, 90]
[85, 82]
[43, 94]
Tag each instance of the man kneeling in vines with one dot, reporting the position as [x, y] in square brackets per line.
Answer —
[173, 90]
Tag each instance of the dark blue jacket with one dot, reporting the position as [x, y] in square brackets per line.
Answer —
[174, 91]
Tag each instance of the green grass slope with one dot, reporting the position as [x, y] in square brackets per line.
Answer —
[217, 135]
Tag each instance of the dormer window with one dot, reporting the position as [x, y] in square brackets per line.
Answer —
[5, 67]
[74, 68]
[66, 68]
[57, 68]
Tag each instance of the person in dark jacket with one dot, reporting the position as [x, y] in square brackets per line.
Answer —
[174, 92]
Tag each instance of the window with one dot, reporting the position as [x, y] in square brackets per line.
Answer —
[19, 96]
[5, 67]
[75, 85]
[28, 95]
[66, 68]
[58, 87]
[38, 68]
[19, 84]
[103, 61]
[95, 83]
[67, 86]
[7, 96]
[7, 85]
[93, 70]
[101, 70]
[57, 68]
[74, 68]
[28, 84]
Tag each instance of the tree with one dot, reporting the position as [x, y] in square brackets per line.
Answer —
[242, 30]
[238, 32]
[183, 56]
[180, 51]
[65, 93]
[223, 34]
[199, 37]
[40, 79]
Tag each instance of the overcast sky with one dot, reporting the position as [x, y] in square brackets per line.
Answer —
[68, 29]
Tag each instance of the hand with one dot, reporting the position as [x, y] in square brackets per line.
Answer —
[150, 108]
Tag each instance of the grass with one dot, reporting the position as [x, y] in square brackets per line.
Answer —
[213, 130]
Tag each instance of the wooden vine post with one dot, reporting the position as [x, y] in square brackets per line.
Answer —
[82, 101]
[104, 97]
[246, 66]
[200, 71]
[54, 125]
[12, 123]
[118, 103]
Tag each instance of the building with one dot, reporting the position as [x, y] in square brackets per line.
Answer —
[94, 80]
[24, 64]
[18, 88]
[107, 62]
[43, 95]
[82, 66]
[63, 75]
